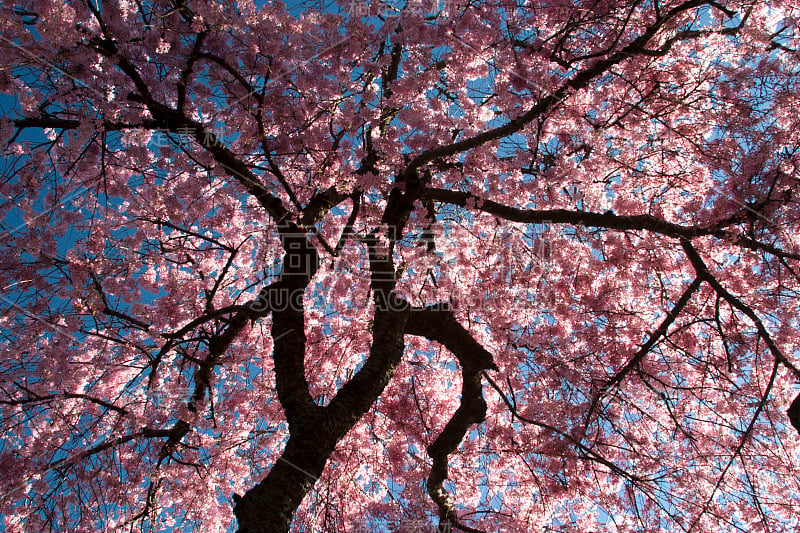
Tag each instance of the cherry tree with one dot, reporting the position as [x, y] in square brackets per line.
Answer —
[457, 265]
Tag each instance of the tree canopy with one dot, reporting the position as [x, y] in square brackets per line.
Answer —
[462, 265]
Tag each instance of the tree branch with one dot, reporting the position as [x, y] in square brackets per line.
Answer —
[565, 216]
[636, 358]
[438, 323]
[704, 274]
[544, 104]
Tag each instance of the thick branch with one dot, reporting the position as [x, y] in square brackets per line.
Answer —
[71, 124]
[438, 323]
[607, 220]
[147, 433]
[321, 203]
[391, 313]
[794, 413]
[314, 431]
[270, 505]
[284, 299]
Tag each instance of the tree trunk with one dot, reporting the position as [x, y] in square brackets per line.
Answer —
[269, 506]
